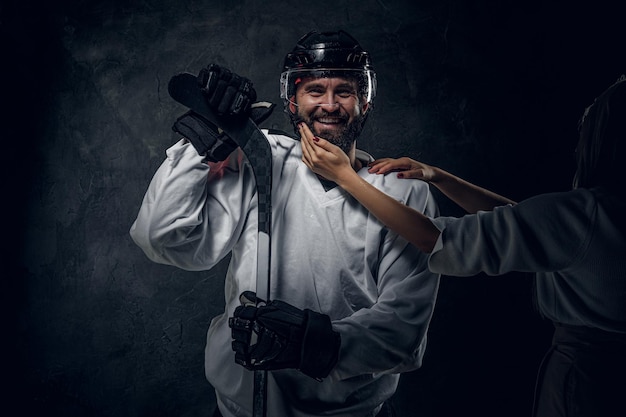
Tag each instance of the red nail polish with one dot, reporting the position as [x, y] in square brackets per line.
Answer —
[316, 139]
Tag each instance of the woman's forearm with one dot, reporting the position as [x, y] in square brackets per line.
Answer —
[404, 220]
[470, 197]
[330, 162]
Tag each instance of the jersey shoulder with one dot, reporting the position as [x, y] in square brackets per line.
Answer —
[285, 147]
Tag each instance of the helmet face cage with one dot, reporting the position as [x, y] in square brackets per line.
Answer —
[328, 55]
[365, 81]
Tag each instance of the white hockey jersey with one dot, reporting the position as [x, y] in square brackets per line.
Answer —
[329, 254]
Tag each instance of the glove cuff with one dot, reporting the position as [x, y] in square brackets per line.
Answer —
[260, 111]
[320, 345]
[205, 137]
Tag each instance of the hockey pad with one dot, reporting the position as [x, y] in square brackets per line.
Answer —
[208, 140]
[281, 336]
[227, 93]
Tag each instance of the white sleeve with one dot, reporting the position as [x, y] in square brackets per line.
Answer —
[390, 336]
[192, 213]
[542, 234]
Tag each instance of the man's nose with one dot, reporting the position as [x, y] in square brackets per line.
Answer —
[330, 105]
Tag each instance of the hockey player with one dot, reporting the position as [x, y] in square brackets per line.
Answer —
[351, 301]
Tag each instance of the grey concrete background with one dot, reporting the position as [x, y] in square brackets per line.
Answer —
[491, 90]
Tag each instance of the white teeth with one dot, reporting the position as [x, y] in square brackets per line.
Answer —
[323, 120]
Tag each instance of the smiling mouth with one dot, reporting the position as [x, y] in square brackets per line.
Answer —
[330, 121]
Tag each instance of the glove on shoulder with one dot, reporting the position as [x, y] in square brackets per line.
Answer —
[281, 336]
[230, 96]
[209, 140]
[226, 92]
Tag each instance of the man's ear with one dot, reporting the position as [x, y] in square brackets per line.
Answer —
[292, 106]
[366, 107]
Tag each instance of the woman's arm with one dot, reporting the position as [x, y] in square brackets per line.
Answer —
[332, 163]
[470, 197]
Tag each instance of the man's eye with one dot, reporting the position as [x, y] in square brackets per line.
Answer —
[316, 92]
[345, 94]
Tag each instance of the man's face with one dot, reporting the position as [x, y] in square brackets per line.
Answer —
[332, 109]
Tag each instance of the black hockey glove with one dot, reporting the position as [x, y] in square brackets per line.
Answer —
[230, 96]
[209, 140]
[227, 93]
[280, 336]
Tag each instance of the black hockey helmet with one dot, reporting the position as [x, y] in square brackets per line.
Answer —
[328, 54]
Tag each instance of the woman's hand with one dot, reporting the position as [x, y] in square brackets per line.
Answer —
[409, 168]
[322, 157]
[332, 163]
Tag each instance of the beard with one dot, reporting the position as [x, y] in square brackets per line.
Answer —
[344, 137]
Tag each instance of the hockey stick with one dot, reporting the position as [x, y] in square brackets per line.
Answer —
[184, 89]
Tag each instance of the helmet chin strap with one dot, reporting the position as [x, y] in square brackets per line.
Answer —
[295, 118]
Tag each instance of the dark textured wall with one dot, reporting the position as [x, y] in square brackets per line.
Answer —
[491, 90]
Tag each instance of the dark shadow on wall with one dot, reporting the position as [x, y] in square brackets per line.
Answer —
[491, 90]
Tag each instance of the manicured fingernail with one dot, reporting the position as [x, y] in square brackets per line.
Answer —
[316, 139]
[400, 175]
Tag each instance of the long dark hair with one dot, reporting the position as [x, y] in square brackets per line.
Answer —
[601, 150]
